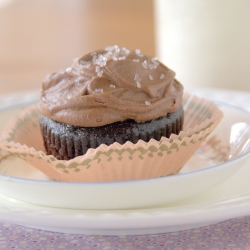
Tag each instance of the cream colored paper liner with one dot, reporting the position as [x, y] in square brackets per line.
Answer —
[116, 162]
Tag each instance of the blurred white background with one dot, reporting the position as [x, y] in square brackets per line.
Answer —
[207, 42]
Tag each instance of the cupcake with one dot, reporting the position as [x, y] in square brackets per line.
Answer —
[114, 115]
[107, 96]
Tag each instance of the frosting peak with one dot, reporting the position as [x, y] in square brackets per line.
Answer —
[110, 85]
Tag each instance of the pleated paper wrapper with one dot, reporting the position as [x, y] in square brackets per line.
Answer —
[143, 160]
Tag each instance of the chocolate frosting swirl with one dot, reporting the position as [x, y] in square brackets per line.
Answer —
[110, 85]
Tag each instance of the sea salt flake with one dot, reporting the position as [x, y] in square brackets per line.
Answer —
[125, 50]
[138, 85]
[69, 69]
[156, 64]
[111, 48]
[82, 62]
[109, 53]
[103, 58]
[136, 60]
[151, 66]
[78, 80]
[153, 59]
[147, 103]
[99, 90]
[100, 60]
[69, 96]
[122, 57]
[137, 51]
[97, 69]
[145, 64]
[115, 58]
[112, 85]
[117, 50]
[102, 63]
[100, 73]
[162, 76]
[151, 77]
[137, 78]
[100, 57]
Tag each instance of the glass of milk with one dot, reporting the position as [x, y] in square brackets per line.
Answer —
[206, 42]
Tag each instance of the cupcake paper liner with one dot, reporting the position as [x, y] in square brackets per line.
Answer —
[143, 160]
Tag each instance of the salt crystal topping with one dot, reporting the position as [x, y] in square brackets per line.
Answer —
[147, 103]
[112, 85]
[69, 96]
[115, 58]
[82, 62]
[97, 69]
[138, 52]
[137, 78]
[122, 57]
[151, 66]
[126, 50]
[137, 81]
[136, 60]
[145, 64]
[100, 73]
[109, 53]
[78, 80]
[162, 76]
[99, 90]
[101, 60]
[150, 77]
[110, 48]
[155, 63]
[69, 69]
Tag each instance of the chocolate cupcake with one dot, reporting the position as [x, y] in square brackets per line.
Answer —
[107, 96]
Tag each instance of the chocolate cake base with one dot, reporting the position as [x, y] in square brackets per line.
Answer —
[65, 141]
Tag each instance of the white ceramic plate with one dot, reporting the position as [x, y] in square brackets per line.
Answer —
[205, 170]
[228, 200]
